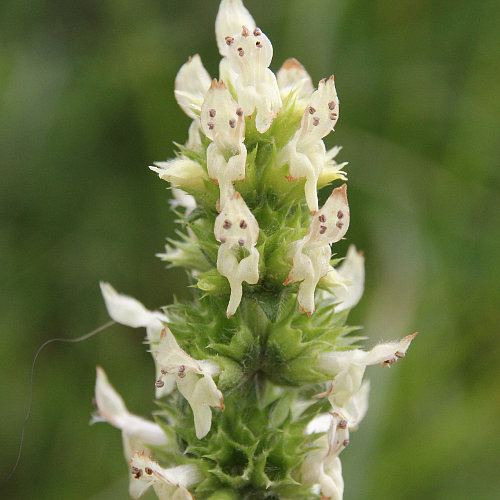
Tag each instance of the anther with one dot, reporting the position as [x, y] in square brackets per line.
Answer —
[137, 473]
[227, 224]
[342, 424]
[322, 229]
[241, 242]
[148, 470]
[312, 110]
[232, 123]
[222, 239]
[241, 52]
[331, 105]
[322, 218]
[339, 224]
[400, 354]
[159, 384]
[340, 214]
[346, 442]
[212, 113]
[257, 32]
[181, 371]
[245, 31]
[211, 125]
[163, 372]
[243, 224]
[239, 112]
[333, 116]
[258, 44]
[229, 40]
[316, 121]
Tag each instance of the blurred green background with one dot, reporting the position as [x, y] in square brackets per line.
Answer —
[86, 103]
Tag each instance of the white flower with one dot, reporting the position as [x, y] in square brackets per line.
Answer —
[169, 484]
[237, 229]
[311, 260]
[182, 172]
[223, 123]
[130, 312]
[293, 78]
[306, 153]
[191, 85]
[332, 170]
[182, 199]
[193, 378]
[137, 432]
[348, 368]
[346, 283]
[250, 53]
[231, 17]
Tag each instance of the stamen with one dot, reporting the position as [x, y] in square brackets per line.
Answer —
[339, 224]
[340, 214]
[322, 218]
[227, 224]
[211, 125]
[232, 123]
[159, 384]
[148, 470]
[239, 112]
[212, 113]
[316, 121]
[342, 424]
[243, 224]
[222, 239]
[258, 44]
[333, 116]
[346, 442]
[331, 105]
[229, 40]
[241, 242]
[241, 52]
[181, 371]
[257, 32]
[312, 110]
[322, 229]
[245, 31]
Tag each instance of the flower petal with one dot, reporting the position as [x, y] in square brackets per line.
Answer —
[352, 272]
[293, 77]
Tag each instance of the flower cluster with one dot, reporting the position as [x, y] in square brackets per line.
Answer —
[258, 378]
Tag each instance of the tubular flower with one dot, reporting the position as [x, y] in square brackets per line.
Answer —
[222, 122]
[312, 253]
[169, 484]
[250, 54]
[245, 192]
[238, 231]
[200, 391]
[306, 153]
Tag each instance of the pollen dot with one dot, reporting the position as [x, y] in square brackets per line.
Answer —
[312, 110]
[241, 52]
[340, 214]
[211, 125]
[257, 32]
[148, 470]
[331, 105]
[232, 123]
[333, 116]
[137, 473]
[316, 121]
[222, 239]
[227, 224]
[346, 442]
[342, 424]
[245, 31]
[258, 44]
[159, 384]
[241, 242]
[212, 113]
[340, 225]
[229, 40]
[322, 230]
[243, 224]
[322, 218]
[239, 112]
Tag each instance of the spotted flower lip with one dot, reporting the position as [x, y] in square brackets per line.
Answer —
[237, 228]
[168, 483]
[193, 379]
[312, 254]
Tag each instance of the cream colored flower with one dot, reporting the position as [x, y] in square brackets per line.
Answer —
[237, 229]
[311, 259]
